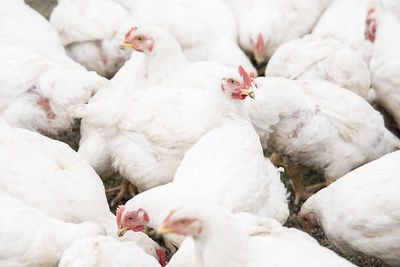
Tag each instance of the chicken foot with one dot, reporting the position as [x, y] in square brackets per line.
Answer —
[125, 188]
[301, 192]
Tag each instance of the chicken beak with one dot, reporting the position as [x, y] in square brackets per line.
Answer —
[163, 230]
[124, 45]
[248, 91]
[122, 230]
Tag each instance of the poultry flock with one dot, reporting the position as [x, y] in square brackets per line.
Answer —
[200, 108]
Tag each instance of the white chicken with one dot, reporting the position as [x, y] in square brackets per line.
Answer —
[36, 92]
[208, 227]
[322, 57]
[318, 125]
[56, 181]
[385, 65]
[207, 35]
[146, 144]
[48, 175]
[91, 31]
[360, 213]
[158, 62]
[23, 26]
[266, 24]
[165, 64]
[30, 238]
[39, 81]
[355, 20]
[225, 167]
[104, 251]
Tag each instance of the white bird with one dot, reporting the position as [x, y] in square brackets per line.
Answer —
[322, 57]
[158, 62]
[355, 20]
[23, 26]
[318, 125]
[165, 64]
[104, 251]
[56, 181]
[48, 175]
[30, 238]
[207, 35]
[149, 132]
[39, 81]
[266, 24]
[385, 64]
[360, 213]
[225, 167]
[91, 31]
[221, 241]
[36, 92]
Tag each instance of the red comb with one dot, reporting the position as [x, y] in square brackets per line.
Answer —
[120, 210]
[371, 11]
[162, 256]
[246, 77]
[370, 29]
[260, 44]
[169, 216]
[131, 30]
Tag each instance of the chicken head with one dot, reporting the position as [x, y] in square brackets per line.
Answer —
[132, 220]
[258, 48]
[237, 89]
[138, 41]
[180, 225]
[308, 221]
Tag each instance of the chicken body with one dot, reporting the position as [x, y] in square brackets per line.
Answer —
[146, 144]
[322, 57]
[36, 92]
[360, 212]
[104, 251]
[225, 167]
[48, 175]
[300, 119]
[23, 26]
[39, 81]
[265, 25]
[208, 35]
[26, 233]
[385, 64]
[213, 247]
[91, 32]
[355, 20]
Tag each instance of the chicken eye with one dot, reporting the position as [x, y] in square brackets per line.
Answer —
[232, 81]
[183, 221]
[131, 217]
[140, 39]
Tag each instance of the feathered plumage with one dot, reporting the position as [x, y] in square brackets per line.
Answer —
[360, 212]
[208, 226]
[322, 57]
[225, 167]
[91, 32]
